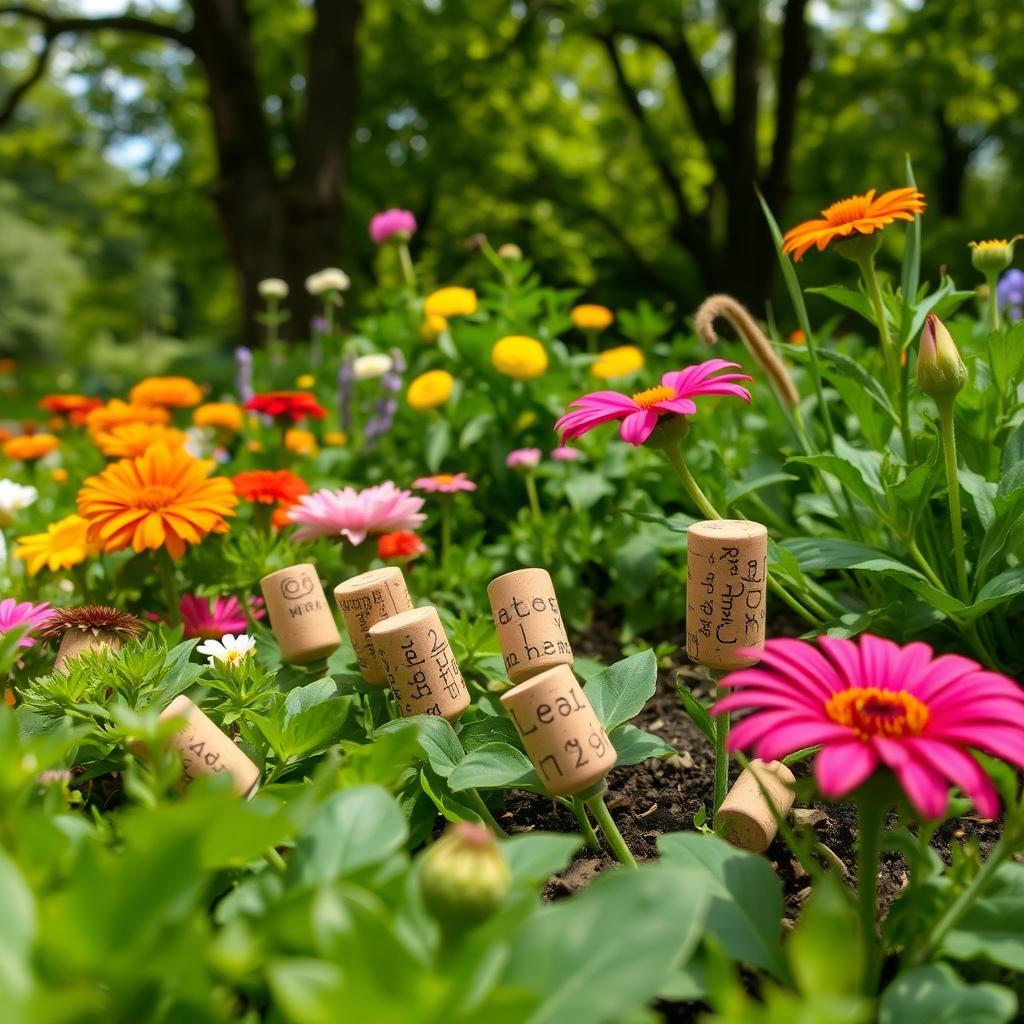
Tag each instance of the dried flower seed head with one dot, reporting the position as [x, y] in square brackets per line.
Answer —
[95, 618]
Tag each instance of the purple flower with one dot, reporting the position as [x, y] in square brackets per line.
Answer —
[393, 223]
[243, 373]
[523, 458]
[1010, 293]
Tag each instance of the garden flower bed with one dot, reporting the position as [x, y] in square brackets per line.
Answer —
[501, 657]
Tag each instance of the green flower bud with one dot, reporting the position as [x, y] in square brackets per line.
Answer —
[510, 252]
[940, 370]
[463, 877]
[993, 256]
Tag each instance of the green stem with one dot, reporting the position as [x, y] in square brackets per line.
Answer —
[675, 456]
[993, 301]
[872, 815]
[606, 823]
[276, 860]
[408, 272]
[722, 724]
[446, 529]
[579, 808]
[953, 487]
[531, 493]
[170, 586]
[368, 715]
[484, 811]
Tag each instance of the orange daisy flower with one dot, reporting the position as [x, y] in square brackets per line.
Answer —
[163, 498]
[74, 407]
[127, 440]
[270, 487]
[178, 392]
[222, 415]
[116, 412]
[858, 215]
[28, 447]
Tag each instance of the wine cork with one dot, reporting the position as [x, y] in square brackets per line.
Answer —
[364, 601]
[417, 662]
[205, 750]
[726, 589]
[560, 731]
[80, 641]
[529, 623]
[745, 818]
[300, 615]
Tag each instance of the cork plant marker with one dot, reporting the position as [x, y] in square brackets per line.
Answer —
[418, 664]
[205, 750]
[748, 817]
[529, 623]
[364, 601]
[300, 615]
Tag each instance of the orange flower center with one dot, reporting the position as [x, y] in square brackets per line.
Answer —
[870, 711]
[645, 399]
[444, 478]
[154, 497]
[846, 211]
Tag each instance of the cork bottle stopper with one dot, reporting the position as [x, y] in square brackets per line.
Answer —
[529, 623]
[205, 750]
[300, 615]
[364, 601]
[417, 662]
[560, 731]
[80, 641]
[726, 590]
[745, 818]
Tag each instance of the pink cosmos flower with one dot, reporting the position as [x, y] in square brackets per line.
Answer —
[212, 618]
[870, 703]
[640, 414]
[384, 226]
[566, 454]
[13, 615]
[523, 458]
[356, 514]
[444, 483]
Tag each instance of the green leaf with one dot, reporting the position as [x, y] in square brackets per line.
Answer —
[535, 857]
[824, 955]
[697, 712]
[495, 766]
[746, 909]
[302, 698]
[736, 490]
[437, 739]
[634, 745]
[982, 493]
[18, 932]
[571, 952]
[848, 475]
[936, 995]
[838, 364]
[619, 692]
[999, 590]
[584, 490]
[349, 831]
[438, 443]
[993, 929]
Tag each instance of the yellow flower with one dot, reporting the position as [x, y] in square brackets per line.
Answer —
[519, 357]
[305, 381]
[524, 421]
[254, 446]
[430, 389]
[27, 447]
[300, 442]
[126, 440]
[590, 317]
[59, 475]
[178, 392]
[432, 327]
[222, 415]
[335, 438]
[618, 362]
[63, 545]
[449, 302]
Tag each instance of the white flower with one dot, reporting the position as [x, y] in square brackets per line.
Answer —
[374, 365]
[272, 288]
[229, 649]
[13, 498]
[330, 279]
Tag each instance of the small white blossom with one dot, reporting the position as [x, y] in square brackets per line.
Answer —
[374, 365]
[272, 288]
[330, 279]
[229, 649]
[13, 498]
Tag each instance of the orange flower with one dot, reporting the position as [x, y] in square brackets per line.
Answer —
[178, 392]
[28, 447]
[116, 412]
[222, 415]
[300, 442]
[74, 407]
[127, 440]
[269, 487]
[163, 498]
[858, 215]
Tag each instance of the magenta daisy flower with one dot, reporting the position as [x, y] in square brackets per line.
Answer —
[640, 414]
[391, 224]
[14, 615]
[566, 454]
[211, 618]
[355, 514]
[523, 458]
[873, 703]
[444, 483]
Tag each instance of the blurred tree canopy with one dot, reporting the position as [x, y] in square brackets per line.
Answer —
[159, 158]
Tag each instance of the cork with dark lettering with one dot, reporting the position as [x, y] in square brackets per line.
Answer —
[364, 601]
[529, 623]
[726, 591]
[560, 731]
[745, 818]
[300, 614]
[418, 664]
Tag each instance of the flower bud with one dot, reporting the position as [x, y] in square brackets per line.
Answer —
[510, 252]
[272, 288]
[464, 878]
[993, 256]
[940, 370]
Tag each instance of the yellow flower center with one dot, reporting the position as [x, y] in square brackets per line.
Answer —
[870, 711]
[662, 393]
[444, 478]
[154, 497]
[846, 211]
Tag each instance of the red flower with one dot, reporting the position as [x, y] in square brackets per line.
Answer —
[402, 545]
[293, 405]
[74, 407]
[269, 487]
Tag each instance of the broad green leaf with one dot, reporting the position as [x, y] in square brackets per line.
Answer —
[437, 739]
[936, 995]
[535, 857]
[824, 953]
[848, 475]
[993, 929]
[634, 745]
[619, 692]
[1001, 589]
[304, 697]
[584, 490]
[495, 766]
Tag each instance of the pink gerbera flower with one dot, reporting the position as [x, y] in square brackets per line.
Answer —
[444, 483]
[870, 703]
[392, 223]
[523, 458]
[356, 514]
[566, 454]
[211, 618]
[14, 615]
[640, 414]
